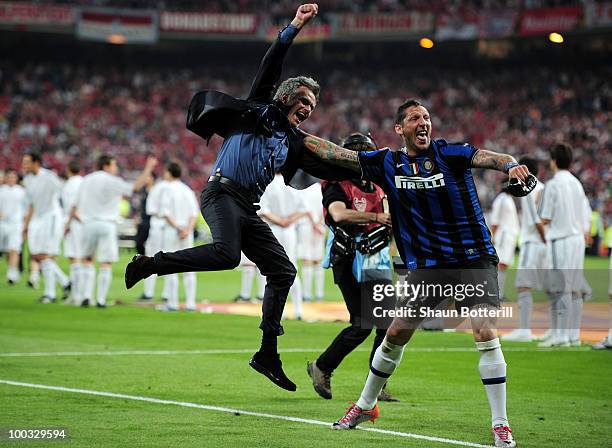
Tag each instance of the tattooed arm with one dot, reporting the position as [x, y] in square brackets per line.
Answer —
[332, 153]
[500, 162]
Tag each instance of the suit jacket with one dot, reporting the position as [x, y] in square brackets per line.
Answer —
[211, 112]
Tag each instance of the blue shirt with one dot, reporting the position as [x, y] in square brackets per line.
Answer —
[436, 213]
[252, 159]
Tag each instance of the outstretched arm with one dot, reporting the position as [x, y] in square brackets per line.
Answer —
[500, 162]
[272, 63]
[332, 153]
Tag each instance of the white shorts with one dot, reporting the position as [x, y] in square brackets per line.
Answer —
[310, 243]
[45, 234]
[244, 260]
[505, 246]
[11, 237]
[171, 241]
[287, 237]
[154, 240]
[73, 242]
[532, 266]
[100, 241]
[567, 262]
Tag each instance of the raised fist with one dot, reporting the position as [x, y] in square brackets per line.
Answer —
[304, 14]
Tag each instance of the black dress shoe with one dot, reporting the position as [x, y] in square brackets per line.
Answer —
[271, 366]
[138, 269]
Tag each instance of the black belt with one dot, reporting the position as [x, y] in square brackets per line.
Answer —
[248, 195]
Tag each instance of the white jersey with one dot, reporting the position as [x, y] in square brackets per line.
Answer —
[312, 197]
[563, 204]
[529, 215]
[13, 204]
[281, 200]
[504, 215]
[100, 195]
[70, 193]
[43, 192]
[153, 204]
[178, 202]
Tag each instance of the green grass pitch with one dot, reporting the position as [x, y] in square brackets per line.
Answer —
[557, 398]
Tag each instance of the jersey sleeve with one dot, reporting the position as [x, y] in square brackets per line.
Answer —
[373, 165]
[334, 193]
[496, 211]
[530, 210]
[549, 199]
[458, 155]
[122, 187]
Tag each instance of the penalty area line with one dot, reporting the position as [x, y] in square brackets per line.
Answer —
[186, 404]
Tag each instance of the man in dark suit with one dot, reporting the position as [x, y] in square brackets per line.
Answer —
[261, 138]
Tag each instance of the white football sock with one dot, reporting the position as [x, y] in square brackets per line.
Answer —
[59, 274]
[149, 286]
[501, 280]
[34, 278]
[172, 283]
[189, 283]
[564, 308]
[246, 284]
[12, 274]
[307, 273]
[575, 318]
[88, 277]
[492, 368]
[319, 281]
[105, 276]
[386, 359]
[48, 272]
[525, 302]
[75, 289]
[296, 297]
[168, 286]
[261, 285]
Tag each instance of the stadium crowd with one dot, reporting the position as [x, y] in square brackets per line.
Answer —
[76, 111]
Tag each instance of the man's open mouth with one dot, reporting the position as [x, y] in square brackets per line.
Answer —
[421, 137]
[301, 116]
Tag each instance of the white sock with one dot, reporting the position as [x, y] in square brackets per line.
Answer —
[575, 319]
[248, 275]
[34, 278]
[307, 273]
[88, 277]
[168, 286]
[149, 286]
[75, 289]
[552, 303]
[501, 280]
[296, 297]
[525, 302]
[59, 274]
[261, 285]
[319, 281]
[386, 359]
[12, 274]
[46, 266]
[189, 283]
[564, 308]
[105, 276]
[492, 367]
[172, 283]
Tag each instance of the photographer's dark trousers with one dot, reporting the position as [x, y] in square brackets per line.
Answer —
[235, 226]
[358, 331]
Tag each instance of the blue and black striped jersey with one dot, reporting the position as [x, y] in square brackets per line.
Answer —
[436, 213]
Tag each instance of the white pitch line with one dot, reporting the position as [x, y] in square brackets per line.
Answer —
[237, 411]
[253, 350]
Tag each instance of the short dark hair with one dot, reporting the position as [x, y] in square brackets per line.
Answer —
[10, 170]
[74, 166]
[561, 153]
[174, 169]
[530, 163]
[34, 157]
[401, 111]
[104, 160]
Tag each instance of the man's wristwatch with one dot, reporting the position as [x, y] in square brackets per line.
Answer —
[509, 165]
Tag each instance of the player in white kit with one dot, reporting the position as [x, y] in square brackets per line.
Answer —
[154, 240]
[563, 209]
[248, 272]
[73, 231]
[505, 230]
[179, 208]
[97, 207]
[532, 263]
[282, 206]
[12, 211]
[311, 244]
[42, 224]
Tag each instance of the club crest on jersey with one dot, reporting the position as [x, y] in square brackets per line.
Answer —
[428, 165]
[419, 183]
[360, 204]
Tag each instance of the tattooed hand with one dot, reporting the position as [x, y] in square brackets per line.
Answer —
[332, 153]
